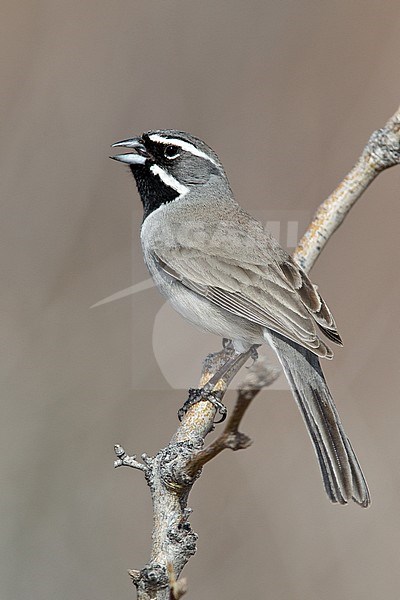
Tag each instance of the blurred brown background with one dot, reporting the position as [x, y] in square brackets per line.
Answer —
[287, 93]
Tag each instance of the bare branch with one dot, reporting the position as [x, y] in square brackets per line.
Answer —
[381, 152]
[127, 461]
[260, 375]
[199, 420]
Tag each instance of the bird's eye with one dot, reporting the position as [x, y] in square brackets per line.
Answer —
[171, 152]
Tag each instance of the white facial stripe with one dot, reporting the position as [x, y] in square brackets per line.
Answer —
[169, 180]
[181, 144]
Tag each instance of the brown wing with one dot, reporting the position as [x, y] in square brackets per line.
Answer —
[276, 295]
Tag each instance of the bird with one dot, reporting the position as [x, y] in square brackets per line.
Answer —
[226, 274]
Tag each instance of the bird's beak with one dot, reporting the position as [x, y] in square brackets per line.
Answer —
[140, 155]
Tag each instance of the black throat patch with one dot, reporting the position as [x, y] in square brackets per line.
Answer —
[152, 190]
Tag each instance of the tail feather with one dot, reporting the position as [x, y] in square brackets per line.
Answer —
[341, 472]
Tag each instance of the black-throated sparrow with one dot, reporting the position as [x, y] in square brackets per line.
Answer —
[224, 273]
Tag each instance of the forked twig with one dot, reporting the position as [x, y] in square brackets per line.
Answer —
[260, 375]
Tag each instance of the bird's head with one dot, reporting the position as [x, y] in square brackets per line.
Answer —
[168, 164]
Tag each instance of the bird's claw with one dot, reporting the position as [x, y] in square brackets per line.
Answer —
[199, 394]
[253, 355]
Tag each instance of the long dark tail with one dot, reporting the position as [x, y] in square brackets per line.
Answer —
[341, 471]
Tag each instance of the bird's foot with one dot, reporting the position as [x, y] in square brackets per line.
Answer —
[200, 394]
[253, 354]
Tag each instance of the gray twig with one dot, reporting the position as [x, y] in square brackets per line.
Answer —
[260, 375]
[381, 152]
[127, 461]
